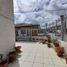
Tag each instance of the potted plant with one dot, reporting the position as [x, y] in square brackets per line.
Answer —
[49, 38]
[49, 45]
[18, 49]
[3, 62]
[43, 41]
[49, 42]
[12, 56]
[57, 46]
[62, 50]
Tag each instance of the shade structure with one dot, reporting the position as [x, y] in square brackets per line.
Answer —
[58, 7]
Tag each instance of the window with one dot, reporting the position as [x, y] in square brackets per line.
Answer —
[23, 31]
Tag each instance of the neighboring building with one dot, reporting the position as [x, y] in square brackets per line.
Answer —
[27, 31]
[54, 27]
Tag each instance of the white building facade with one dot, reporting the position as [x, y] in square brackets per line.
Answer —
[7, 32]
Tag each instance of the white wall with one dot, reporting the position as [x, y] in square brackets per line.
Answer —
[7, 34]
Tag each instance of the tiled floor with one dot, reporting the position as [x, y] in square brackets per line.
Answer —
[38, 55]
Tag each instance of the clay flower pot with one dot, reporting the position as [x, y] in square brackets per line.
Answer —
[57, 49]
[18, 49]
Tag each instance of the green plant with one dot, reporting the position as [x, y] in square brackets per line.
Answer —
[43, 41]
[49, 45]
[62, 50]
[18, 49]
[13, 55]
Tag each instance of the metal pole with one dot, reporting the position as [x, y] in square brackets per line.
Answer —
[46, 27]
[56, 28]
[62, 27]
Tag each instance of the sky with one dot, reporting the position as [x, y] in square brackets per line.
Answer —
[38, 11]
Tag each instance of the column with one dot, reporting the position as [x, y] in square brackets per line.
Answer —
[7, 32]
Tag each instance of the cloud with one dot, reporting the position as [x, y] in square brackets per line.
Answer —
[34, 11]
[58, 7]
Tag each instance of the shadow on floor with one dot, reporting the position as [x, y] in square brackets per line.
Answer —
[15, 64]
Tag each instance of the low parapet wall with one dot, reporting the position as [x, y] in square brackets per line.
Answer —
[64, 44]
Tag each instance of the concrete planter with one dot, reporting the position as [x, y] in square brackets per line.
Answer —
[4, 64]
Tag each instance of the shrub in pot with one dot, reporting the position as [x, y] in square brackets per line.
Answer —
[54, 40]
[49, 38]
[62, 50]
[43, 41]
[12, 56]
[57, 47]
[18, 49]
[49, 45]
[46, 40]
[3, 62]
[49, 42]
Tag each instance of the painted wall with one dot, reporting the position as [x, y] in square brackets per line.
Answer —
[7, 32]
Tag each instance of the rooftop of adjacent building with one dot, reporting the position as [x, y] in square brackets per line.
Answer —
[27, 25]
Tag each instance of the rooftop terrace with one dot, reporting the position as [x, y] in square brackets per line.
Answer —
[38, 55]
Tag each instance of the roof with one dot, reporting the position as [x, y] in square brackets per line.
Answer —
[27, 25]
